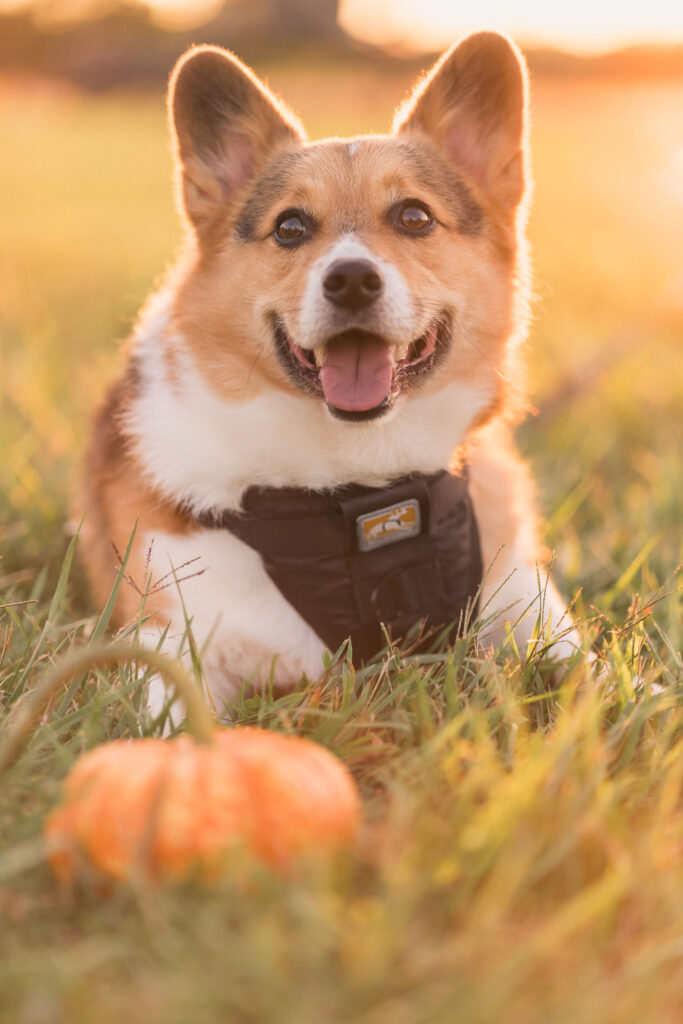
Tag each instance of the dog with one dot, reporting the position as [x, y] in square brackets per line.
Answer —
[344, 324]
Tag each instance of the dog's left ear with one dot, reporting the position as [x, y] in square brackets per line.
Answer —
[225, 123]
[473, 104]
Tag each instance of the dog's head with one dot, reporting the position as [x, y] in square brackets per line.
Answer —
[355, 272]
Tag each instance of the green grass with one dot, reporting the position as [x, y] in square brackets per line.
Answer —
[522, 853]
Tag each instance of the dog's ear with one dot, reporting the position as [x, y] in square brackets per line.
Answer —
[225, 123]
[473, 104]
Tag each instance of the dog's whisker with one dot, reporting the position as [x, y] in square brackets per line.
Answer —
[258, 355]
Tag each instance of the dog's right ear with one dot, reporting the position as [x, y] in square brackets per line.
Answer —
[473, 104]
[225, 123]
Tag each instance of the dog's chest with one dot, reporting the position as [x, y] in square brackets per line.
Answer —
[361, 562]
[266, 592]
[203, 451]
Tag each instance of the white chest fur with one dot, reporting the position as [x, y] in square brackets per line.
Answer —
[197, 447]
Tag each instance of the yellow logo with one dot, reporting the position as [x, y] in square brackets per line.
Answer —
[386, 525]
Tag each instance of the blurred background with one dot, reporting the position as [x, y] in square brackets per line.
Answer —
[87, 226]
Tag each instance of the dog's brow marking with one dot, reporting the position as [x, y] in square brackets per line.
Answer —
[353, 148]
[437, 174]
[264, 192]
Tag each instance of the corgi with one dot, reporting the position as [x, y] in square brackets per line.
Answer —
[346, 318]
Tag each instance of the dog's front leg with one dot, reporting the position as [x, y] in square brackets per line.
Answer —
[517, 591]
[242, 628]
[519, 596]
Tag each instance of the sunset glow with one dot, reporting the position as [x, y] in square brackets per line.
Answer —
[582, 26]
[180, 13]
[416, 25]
[420, 25]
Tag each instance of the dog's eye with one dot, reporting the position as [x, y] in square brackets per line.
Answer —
[289, 227]
[414, 216]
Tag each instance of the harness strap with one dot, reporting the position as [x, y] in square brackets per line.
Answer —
[353, 559]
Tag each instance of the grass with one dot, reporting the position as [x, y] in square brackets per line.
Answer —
[521, 859]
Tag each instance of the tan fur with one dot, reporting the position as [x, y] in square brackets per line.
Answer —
[119, 501]
[459, 146]
[213, 163]
[502, 493]
[481, 120]
[205, 305]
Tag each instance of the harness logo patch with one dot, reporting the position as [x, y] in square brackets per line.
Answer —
[388, 525]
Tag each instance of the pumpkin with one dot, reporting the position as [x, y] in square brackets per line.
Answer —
[173, 809]
[178, 808]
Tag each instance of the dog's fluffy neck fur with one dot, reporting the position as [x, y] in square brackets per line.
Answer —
[202, 451]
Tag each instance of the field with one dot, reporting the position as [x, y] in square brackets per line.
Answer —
[522, 858]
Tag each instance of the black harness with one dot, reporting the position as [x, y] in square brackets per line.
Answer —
[356, 558]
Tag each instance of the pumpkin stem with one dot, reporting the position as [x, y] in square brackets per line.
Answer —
[28, 711]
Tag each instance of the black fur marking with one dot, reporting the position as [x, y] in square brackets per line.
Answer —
[361, 416]
[436, 174]
[275, 182]
[305, 379]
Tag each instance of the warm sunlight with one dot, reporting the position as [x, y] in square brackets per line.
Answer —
[264, 442]
[418, 25]
[582, 26]
[180, 13]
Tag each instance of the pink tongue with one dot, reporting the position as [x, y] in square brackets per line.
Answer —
[357, 371]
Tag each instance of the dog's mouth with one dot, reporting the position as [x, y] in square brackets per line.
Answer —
[359, 374]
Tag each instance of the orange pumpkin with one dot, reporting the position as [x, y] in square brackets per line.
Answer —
[176, 808]
[173, 809]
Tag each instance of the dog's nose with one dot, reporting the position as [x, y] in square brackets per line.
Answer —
[353, 284]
